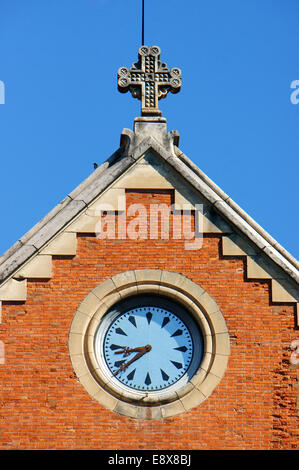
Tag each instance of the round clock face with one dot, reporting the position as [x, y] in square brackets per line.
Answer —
[149, 344]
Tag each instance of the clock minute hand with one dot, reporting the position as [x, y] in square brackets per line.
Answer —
[141, 351]
[125, 350]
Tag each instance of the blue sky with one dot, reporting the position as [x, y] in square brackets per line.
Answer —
[62, 111]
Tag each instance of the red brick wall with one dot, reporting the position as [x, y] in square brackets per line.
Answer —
[43, 405]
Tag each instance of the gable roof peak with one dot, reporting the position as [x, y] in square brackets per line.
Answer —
[149, 131]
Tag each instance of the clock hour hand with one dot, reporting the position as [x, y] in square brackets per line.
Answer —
[140, 352]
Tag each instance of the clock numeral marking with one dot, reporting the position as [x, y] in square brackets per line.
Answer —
[164, 375]
[115, 346]
[177, 333]
[131, 375]
[119, 363]
[149, 317]
[178, 365]
[181, 348]
[165, 321]
[133, 321]
[119, 331]
[147, 379]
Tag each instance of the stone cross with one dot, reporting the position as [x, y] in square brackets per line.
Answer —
[149, 80]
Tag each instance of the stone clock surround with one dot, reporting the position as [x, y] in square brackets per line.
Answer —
[149, 281]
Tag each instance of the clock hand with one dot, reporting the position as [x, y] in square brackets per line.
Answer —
[126, 350]
[140, 352]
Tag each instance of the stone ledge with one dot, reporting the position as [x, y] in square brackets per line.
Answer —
[279, 294]
[24, 253]
[40, 267]
[255, 271]
[64, 244]
[14, 290]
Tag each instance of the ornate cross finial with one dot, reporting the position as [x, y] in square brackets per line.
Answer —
[149, 80]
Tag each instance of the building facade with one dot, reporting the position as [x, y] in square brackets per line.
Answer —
[148, 311]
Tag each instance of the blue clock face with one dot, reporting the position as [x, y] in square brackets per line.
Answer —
[149, 347]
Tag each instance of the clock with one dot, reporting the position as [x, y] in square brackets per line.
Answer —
[148, 344]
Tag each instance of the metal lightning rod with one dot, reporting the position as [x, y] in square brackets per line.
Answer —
[142, 39]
